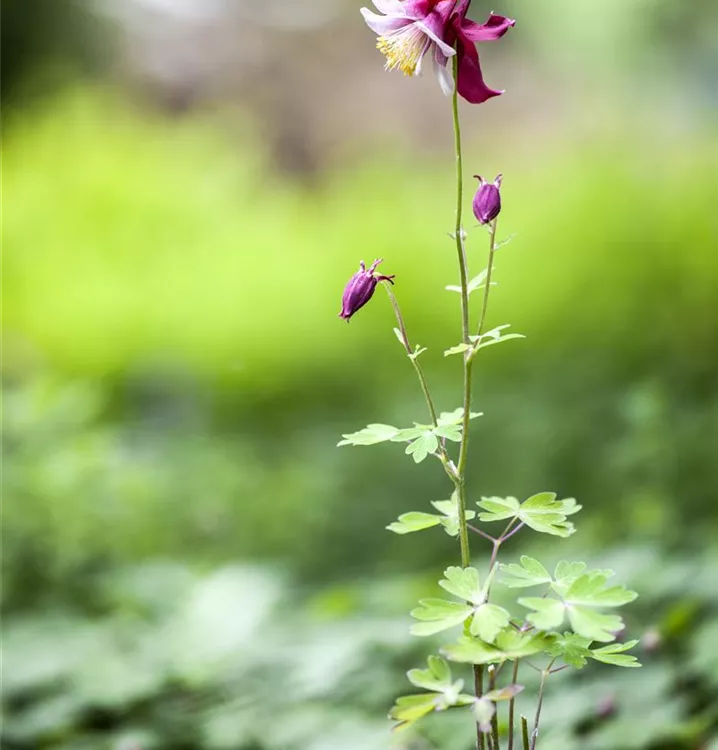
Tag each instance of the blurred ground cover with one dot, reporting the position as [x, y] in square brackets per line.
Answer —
[175, 378]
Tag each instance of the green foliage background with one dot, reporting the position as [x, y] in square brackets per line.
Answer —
[189, 562]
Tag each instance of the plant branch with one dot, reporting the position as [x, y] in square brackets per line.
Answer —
[534, 734]
[478, 531]
[495, 717]
[525, 733]
[512, 704]
[460, 478]
[410, 352]
[487, 282]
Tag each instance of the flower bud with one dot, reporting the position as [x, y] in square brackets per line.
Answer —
[360, 289]
[487, 201]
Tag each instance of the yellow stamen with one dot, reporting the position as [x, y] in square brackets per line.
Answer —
[404, 49]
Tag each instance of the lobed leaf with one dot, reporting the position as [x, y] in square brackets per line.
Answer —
[370, 435]
[498, 508]
[414, 521]
[510, 644]
[464, 583]
[611, 654]
[529, 573]
[408, 709]
[437, 615]
[488, 621]
[548, 613]
[450, 510]
[594, 625]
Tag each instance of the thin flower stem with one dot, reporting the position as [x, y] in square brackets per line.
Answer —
[460, 479]
[495, 717]
[487, 282]
[512, 705]
[534, 734]
[409, 351]
[525, 733]
[463, 273]
[479, 690]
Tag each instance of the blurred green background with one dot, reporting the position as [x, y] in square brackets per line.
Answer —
[188, 561]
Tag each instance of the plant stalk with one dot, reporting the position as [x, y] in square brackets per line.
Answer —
[512, 705]
[534, 734]
[460, 480]
[414, 360]
[525, 733]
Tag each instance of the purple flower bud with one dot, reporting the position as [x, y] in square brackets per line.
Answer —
[360, 289]
[487, 201]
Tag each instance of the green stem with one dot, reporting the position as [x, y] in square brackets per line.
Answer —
[495, 717]
[534, 734]
[463, 273]
[512, 705]
[525, 733]
[460, 478]
[487, 281]
[409, 351]
[479, 690]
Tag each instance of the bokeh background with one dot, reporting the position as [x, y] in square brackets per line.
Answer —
[188, 560]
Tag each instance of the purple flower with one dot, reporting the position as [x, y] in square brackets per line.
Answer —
[410, 29]
[487, 201]
[360, 288]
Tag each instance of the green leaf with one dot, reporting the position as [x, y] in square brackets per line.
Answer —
[500, 340]
[437, 677]
[594, 625]
[458, 349]
[410, 708]
[611, 654]
[498, 508]
[488, 621]
[463, 583]
[590, 590]
[456, 416]
[449, 431]
[410, 433]
[450, 510]
[418, 350]
[541, 512]
[504, 242]
[475, 284]
[370, 435]
[572, 648]
[414, 521]
[437, 615]
[567, 572]
[420, 448]
[548, 614]
[510, 644]
[529, 573]
[545, 514]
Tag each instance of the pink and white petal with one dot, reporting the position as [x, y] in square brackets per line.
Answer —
[383, 25]
[494, 28]
[389, 7]
[443, 74]
[446, 49]
[419, 64]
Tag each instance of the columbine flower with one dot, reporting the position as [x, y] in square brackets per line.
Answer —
[410, 29]
[360, 288]
[487, 201]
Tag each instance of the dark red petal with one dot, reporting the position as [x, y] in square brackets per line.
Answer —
[470, 84]
[494, 28]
